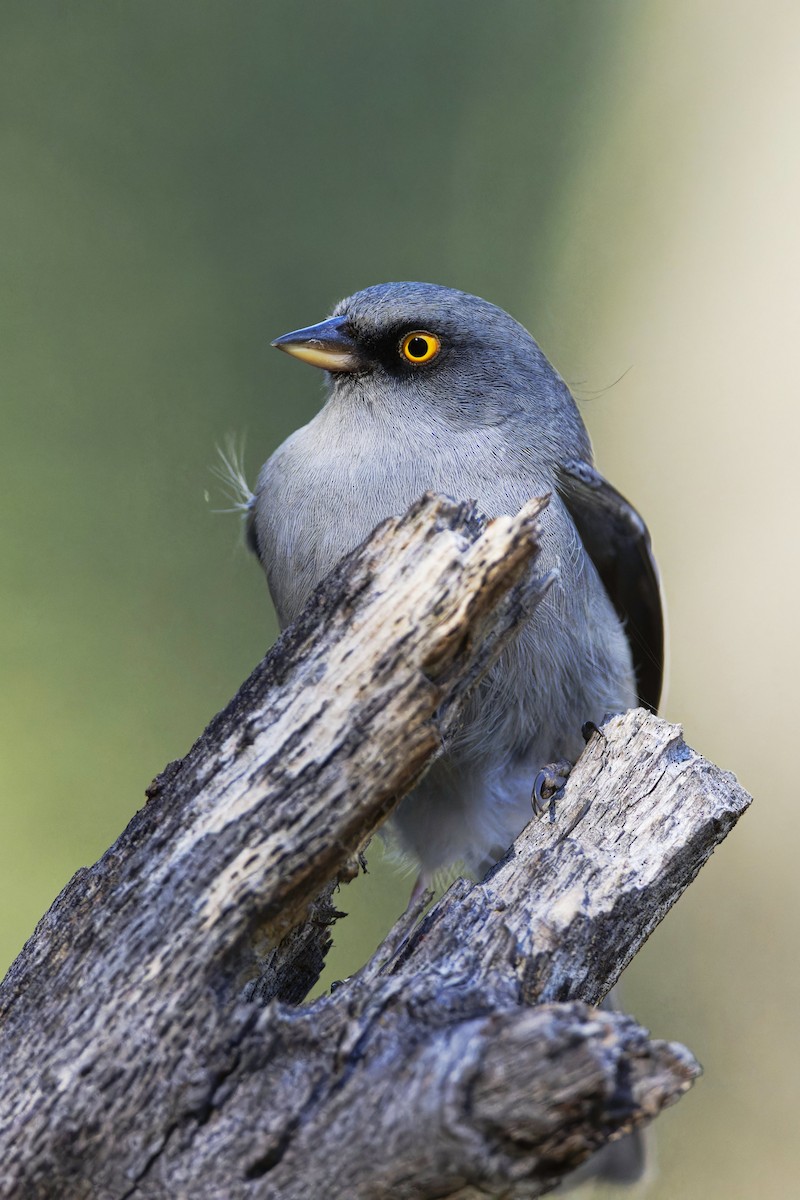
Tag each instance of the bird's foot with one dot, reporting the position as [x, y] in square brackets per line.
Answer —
[546, 787]
[421, 893]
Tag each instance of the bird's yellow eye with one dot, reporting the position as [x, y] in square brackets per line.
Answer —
[419, 346]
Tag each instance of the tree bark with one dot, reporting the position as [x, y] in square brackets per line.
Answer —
[152, 1039]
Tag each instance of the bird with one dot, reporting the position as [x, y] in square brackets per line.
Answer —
[433, 389]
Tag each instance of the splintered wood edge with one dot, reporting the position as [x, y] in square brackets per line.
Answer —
[575, 898]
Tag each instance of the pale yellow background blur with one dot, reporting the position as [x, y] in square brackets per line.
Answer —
[183, 181]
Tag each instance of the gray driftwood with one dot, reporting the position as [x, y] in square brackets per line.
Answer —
[152, 1040]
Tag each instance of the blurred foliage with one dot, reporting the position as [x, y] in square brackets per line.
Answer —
[183, 181]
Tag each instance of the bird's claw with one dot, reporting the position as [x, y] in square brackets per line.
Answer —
[589, 729]
[546, 787]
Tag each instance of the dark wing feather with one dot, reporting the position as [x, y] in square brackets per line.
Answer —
[250, 535]
[616, 539]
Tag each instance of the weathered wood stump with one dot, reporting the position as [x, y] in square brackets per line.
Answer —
[152, 1039]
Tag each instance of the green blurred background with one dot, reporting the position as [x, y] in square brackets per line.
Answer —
[182, 181]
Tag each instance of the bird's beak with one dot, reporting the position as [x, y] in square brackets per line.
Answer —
[327, 345]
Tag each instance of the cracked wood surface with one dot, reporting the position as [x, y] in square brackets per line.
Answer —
[135, 1065]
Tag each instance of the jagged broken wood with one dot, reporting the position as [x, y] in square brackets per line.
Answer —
[139, 1054]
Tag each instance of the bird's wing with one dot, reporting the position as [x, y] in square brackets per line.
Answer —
[616, 539]
[250, 535]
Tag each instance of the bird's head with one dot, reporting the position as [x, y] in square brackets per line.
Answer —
[433, 351]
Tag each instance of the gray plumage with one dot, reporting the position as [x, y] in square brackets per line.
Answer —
[486, 418]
